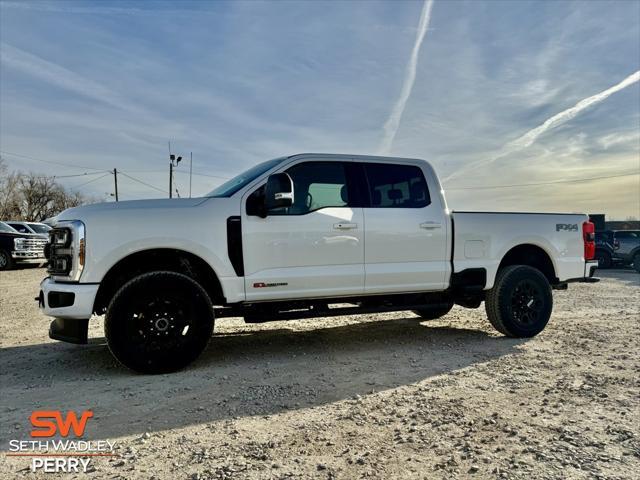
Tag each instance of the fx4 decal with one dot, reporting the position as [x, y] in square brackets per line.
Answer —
[567, 227]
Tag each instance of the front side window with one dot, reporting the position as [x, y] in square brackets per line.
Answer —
[317, 185]
[396, 186]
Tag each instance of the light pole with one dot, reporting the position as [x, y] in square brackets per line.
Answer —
[172, 158]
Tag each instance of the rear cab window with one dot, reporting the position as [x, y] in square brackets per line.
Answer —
[396, 186]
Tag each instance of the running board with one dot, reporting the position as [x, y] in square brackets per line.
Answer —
[259, 314]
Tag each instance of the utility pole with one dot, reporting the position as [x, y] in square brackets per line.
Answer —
[115, 181]
[170, 175]
[170, 169]
[190, 171]
[172, 158]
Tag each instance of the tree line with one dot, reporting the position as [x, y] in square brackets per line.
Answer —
[32, 197]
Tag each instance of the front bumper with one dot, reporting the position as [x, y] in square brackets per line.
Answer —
[71, 304]
[25, 256]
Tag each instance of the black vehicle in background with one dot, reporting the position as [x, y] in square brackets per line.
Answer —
[19, 248]
[604, 248]
[626, 248]
[618, 247]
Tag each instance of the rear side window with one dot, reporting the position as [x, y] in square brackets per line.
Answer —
[396, 186]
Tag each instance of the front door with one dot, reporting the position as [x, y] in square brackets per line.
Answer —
[315, 248]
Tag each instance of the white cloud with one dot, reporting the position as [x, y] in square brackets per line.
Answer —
[393, 122]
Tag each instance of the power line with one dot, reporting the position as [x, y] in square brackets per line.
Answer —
[90, 181]
[48, 161]
[574, 180]
[204, 174]
[143, 183]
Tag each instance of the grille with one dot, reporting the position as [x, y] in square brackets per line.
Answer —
[34, 243]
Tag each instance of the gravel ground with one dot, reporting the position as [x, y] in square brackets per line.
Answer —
[372, 396]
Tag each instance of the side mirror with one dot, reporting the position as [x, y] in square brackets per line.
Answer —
[279, 191]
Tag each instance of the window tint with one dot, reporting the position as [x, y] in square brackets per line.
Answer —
[397, 186]
[20, 228]
[317, 185]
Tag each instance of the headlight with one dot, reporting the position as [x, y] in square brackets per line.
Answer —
[18, 243]
[60, 237]
[67, 251]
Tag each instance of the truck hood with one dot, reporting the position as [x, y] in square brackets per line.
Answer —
[150, 206]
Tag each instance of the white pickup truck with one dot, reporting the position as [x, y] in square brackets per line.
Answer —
[310, 235]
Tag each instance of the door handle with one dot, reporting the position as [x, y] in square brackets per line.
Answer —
[429, 225]
[344, 226]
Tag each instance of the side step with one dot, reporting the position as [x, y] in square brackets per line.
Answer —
[273, 311]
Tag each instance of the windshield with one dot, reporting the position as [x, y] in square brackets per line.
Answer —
[6, 228]
[39, 227]
[230, 187]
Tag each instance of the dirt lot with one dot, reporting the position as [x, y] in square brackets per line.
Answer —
[376, 396]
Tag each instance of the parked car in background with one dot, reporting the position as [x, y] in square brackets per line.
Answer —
[604, 248]
[19, 248]
[626, 248]
[35, 228]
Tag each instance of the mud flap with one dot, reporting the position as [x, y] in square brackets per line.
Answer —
[70, 330]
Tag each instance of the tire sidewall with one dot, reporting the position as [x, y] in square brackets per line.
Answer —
[7, 264]
[171, 285]
[507, 283]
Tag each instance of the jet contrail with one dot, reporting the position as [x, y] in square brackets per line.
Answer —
[558, 119]
[393, 122]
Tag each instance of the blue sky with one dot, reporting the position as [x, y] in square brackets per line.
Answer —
[107, 84]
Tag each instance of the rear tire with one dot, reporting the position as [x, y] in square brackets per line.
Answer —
[159, 322]
[6, 262]
[604, 259]
[437, 311]
[636, 262]
[520, 302]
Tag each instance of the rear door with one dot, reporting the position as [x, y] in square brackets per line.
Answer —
[405, 231]
[313, 248]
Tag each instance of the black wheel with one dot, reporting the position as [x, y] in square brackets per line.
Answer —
[6, 262]
[159, 322]
[435, 311]
[520, 302]
[636, 262]
[604, 259]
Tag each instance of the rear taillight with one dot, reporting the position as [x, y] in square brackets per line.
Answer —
[589, 237]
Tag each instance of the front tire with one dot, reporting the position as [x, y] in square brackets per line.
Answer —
[433, 312]
[520, 302]
[159, 322]
[636, 262]
[6, 262]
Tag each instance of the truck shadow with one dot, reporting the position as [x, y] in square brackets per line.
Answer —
[241, 374]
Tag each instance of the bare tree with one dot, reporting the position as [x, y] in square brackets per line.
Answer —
[32, 197]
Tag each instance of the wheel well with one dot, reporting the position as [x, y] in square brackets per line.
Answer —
[153, 260]
[532, 256]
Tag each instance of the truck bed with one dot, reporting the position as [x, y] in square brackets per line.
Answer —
[482, 239]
